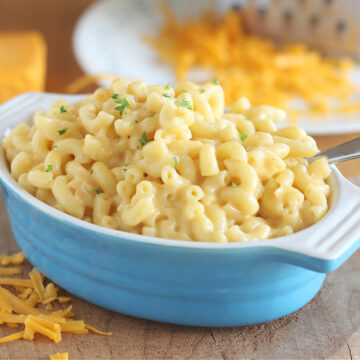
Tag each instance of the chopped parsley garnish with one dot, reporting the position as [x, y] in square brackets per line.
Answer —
[144, 140]
[91, 171]
[234, 185]
[216, 81]
[133, 123]
[137, 147]
[167, 87]
[96, 191]
[123, 103]
[62, 109]
[150, 115]
[201, 91]
[186, 104]
[166, 95]
[55, 146]
[248, 119]
[115, 96]
[175, 162]
[62, 132]
[49, 168]
[125, 166]
[242, 137]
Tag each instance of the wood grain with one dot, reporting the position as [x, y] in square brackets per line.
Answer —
[327, 328]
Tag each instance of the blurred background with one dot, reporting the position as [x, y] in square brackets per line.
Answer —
[300, 55]
[55, 20]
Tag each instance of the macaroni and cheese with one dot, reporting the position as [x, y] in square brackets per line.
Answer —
[172, 163]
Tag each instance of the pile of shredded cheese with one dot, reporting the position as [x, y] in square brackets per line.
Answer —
[254, 67]
[32, 306]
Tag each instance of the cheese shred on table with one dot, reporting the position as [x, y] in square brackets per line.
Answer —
[255, 67]
[15, 259]
[31, 307]
[59, 356]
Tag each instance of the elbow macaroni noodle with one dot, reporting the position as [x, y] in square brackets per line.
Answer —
[168, 162]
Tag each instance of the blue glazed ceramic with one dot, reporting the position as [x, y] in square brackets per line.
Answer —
[180, 282]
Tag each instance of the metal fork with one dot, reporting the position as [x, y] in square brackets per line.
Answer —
[347, 151]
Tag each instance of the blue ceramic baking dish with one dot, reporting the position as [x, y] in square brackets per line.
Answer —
[173, 281]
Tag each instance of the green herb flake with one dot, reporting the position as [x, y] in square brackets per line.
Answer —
[137, 147]
[216, 81]
[175, 162]
[96, 191]
[186, 104]
[167, 87]
[248, 119]
[234, 185]
[166, 95]
[62, 132]
[125, 167]
[55, 146]
[62, 109]
[201, 91]
[242, 137]
[150, 115]
[144, 140]
[115, 96]
[49, 168]
[91, 171]
[123, 103]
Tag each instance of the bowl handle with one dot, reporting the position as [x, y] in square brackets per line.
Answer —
[326, 245]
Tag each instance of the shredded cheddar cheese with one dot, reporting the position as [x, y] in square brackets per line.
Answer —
[97, 331]
[63, 299]
[72, 325]
[16, 282]
[37, 283]
[5, 308]
[27, 308]
[60, 356]
[17, 305]
[33, 299]
[10, 271]
[15, 259]
[13, 337]
[254, 67]
[44, 326]
[25, 293]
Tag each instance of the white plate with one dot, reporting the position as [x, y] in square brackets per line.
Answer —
[108, 38]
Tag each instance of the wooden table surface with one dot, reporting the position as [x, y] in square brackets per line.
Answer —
[326, 328]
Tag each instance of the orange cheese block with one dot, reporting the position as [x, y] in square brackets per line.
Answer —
[22, 63]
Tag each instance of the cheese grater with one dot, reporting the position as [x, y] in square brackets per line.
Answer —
[331, 26]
